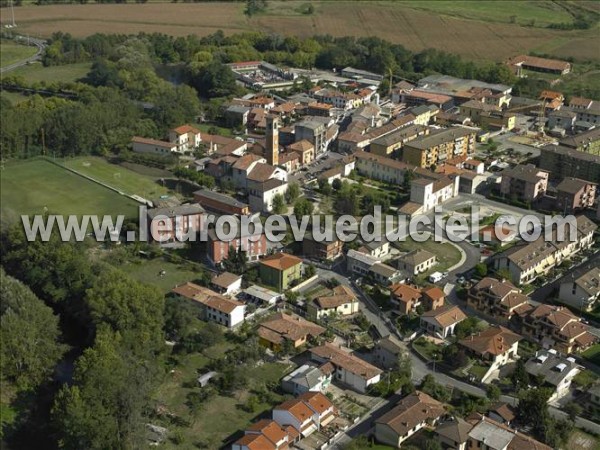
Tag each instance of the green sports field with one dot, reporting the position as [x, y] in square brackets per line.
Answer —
[35, 186]
[125, 180]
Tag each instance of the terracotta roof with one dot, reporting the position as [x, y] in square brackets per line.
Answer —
[255, 442]
[542, 63]
[155, 142]
[225, 279]
[287, 326]
[261, 172]
[296, 408]
[184, 129]
[281, 261]
[246, 161]
[218, 302]
[416, 257]
[434, 293]
[319, 402]
[270, 429]
[301, 146]
[188, 290]
[504, 410]
[405, 293]
[572, 185]
[495, 340]
[333, 301]
[346, 360]
[457, 430]
[411, 411]
[445, 316]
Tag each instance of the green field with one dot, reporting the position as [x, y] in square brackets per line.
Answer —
[35, 186]
[125, 180]
[36, 72]
[447, 254]
[148, 272]
[11, 52]
[592, 354]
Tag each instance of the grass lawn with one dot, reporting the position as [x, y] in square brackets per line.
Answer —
[447, 255]
[478, 370]
[30, 186]
[11, 52]
[116, 176]
[36, 72]
[14, 97]
[427, 349]
[592, 354]
[580, 440]
[147, 272]
[204, 127]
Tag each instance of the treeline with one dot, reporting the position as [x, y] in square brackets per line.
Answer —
[325, 52]
[119, 323]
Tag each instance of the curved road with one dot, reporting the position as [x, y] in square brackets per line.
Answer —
[39, 43]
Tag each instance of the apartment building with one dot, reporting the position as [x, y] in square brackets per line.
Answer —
[556, 371]
[381, 168]
[186, 137]
[390, 143]
[574, 195]
[171, 225]
[220, 203]
[581, 292]
[254, 245]
[314, 132]
[280, 270]
[439, 146]
[526, 183]
[433, 192]
[562, 161]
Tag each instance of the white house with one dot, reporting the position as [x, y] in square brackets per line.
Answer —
[359, 263]
[582, 292]
[146, 145]
[227, 283]
[215, 307]
[417, 261]
[431, 193]
[348, 368]
[441, 322]
[556, 371]
[306, 378]
[341, 301]
[186, 137]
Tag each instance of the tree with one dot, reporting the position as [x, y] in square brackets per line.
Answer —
[493, 392]
[29, 334]
[292, 193]
[573, 410]
[324, 186]
[481, 269]
[279, 204]
[310, 271]
[437, 391]
[520, 377]
[214, 80]
[336, 184]
[303, 207]
[533, 409]
[467, 327]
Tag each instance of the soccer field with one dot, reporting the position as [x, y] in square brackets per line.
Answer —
[125, 180]
[35, 186]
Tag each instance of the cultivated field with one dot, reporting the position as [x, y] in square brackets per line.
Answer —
[477, 30]
[11, 53]
[35, 186]
[36, 72]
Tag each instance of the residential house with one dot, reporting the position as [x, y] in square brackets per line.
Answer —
[525, 262]
[557, 327]
[252, 244]
[526, 183]
[376, 249]
[154, 146]
[306, 414]
[552, 100]
[314, 132]
[561, 121]
[359, 263]
[265, 434]
[414, 412]
[433, 192]
[173, 225]
[220, 203]
[439, 146]
[186, 137]
[305, 150]
[588, 111]
[416, 97]
[433, 298]
[347, 368]
[280, 270]
[574, 195]
[381, 168]
[387, 353]
[417, 261]
[499, 299]
[264, 182]
[236, 116]
[424, 114]
[496, 346]
[214, 307]
[227, 283]
[322, 249]
[557, 372]
[341, 301]
[502, 413]
[406, 296]
[384, 274]
[489, 434]
[453, 434]
[306, 378]
[498, 236]
[218, 145]
[281, 327]
[442, 321]
[242, 168]
[581, 292]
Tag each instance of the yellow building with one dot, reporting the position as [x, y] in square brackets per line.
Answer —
[439, 146]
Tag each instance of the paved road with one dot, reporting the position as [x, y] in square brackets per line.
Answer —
[39, 43]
